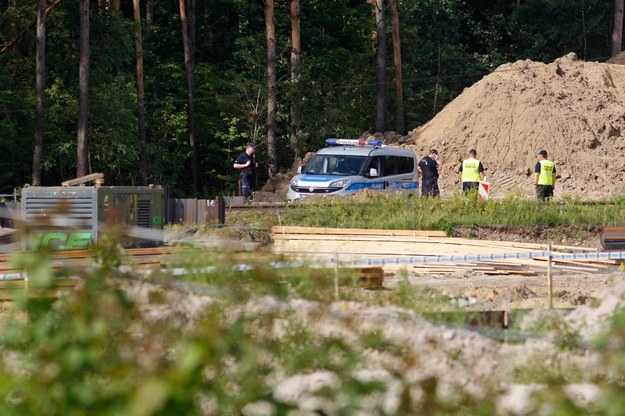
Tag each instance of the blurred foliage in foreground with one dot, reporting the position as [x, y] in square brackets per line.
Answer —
[217, 342]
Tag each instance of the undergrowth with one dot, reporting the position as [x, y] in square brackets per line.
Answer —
[234, 337]
[380, 211]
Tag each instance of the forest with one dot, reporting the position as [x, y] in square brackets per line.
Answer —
[168, 93]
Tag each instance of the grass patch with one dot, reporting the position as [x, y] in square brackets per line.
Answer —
[380, 211]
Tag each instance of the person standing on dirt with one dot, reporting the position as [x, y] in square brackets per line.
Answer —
[471, 172]
[246, 163]
[545, 178]
[429, 169]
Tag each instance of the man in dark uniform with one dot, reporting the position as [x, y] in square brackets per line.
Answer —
[544, 176]
[246, 163]
[429, 168]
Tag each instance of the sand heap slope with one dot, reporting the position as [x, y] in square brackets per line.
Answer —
[573, 109]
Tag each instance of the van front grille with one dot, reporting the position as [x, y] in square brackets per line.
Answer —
[314, 190]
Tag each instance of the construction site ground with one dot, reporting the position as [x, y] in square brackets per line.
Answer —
[474, 289]
[462, 357]
[466, 357]
[481, 292]
[570, 288]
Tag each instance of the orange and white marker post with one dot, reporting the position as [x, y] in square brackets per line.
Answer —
[482, 193]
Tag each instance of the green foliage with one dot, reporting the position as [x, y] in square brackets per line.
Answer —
[542, 29]
[117, 344]
[446, 46]
[97, 351]
[445, 214]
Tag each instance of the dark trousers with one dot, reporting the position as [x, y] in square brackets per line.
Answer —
[429, 187]
[544, 192]
[248, 185]
[467, 186]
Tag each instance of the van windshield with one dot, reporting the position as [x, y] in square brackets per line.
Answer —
[335, 165]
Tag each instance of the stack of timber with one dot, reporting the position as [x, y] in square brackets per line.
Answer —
[613, 238]
[332, 244]
[74, 263]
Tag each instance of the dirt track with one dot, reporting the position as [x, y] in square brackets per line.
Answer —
[519, 292]
[570, 289]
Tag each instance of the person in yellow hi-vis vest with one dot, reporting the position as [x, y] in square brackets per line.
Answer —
[472, 172]
[545, 176]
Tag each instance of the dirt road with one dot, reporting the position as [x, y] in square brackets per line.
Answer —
[483, 292]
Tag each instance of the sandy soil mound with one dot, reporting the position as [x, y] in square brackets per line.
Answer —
[619, 59]
[573, 109]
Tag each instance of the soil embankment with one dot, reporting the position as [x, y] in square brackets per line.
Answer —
[571, 108]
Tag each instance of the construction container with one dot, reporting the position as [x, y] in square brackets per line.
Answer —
[70, 217]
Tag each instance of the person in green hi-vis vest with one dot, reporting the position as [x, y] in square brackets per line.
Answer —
[471, 172]
[545, 176]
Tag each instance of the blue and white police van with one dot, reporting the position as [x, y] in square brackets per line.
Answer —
[346, 166]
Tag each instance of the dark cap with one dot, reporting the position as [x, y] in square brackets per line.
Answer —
[543, 152]
[434, 151]
[473, 152]
[250, 144]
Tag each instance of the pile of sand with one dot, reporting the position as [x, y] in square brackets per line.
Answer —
[573, 109]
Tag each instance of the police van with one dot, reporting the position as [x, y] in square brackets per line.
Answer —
[347, 166]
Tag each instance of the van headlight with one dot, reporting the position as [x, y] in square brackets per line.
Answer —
[293, 182]
[343, 183]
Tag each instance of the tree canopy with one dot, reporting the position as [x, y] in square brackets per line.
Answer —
[446, 45]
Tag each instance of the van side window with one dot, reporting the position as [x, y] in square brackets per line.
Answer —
[405, 165]
[396, 165]
[377, 164]
[390, 165]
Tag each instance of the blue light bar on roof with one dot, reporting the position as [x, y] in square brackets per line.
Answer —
[353, 142]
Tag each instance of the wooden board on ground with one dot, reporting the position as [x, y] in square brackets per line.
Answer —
[283, 229]
[345, 245]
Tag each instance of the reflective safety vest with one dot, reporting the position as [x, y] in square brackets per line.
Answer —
[545, 177]
[471, 170]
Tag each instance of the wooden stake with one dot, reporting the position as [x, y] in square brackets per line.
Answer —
[549, 279]
[336, 276]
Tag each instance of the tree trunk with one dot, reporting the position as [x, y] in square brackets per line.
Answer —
[12, 11]
[188, 64]
[16, 36]
[40, 92]
[295, 61]
[12, 18]
[272, 84]
[399, 83]
[116, 7]
[617, 32]
[380, 120]
[191, 25]
[82, 148]
[438, 71]
[149, 12]
[143, 158]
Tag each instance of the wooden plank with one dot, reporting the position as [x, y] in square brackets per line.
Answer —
[574, 248]
[361, 246]
[448, 245]
[288, 232]
[8, 288]
[382, 247]
[283, 229]
[83, 179]
[562, 265]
